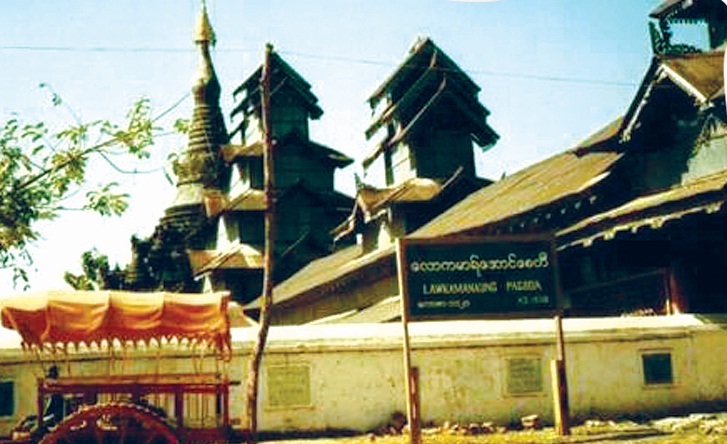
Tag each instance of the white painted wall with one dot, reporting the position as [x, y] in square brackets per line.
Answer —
[351, 376]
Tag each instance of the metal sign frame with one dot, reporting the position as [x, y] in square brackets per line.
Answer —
[519, 275]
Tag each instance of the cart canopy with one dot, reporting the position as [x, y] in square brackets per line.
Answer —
[74, 317]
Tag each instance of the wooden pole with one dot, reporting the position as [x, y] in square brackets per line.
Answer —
[411, 374]
[560, 383]
[40, 401]
[251, 387]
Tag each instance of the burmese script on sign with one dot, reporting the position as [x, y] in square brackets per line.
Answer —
[480, 279]
[474, 263]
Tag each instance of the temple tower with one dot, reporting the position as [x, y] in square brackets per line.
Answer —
[200, 172]
[426, 118]
[307, 205]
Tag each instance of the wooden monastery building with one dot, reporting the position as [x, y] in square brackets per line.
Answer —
[636, 209]
[636, 214]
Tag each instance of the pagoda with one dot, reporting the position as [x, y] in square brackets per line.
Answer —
[162, 261]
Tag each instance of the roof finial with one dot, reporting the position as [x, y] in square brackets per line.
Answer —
[203, 32]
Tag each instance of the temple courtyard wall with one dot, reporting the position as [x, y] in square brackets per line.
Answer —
[351, 376]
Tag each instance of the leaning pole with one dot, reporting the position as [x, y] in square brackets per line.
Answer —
[251, 386]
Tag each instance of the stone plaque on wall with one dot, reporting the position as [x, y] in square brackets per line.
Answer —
[288, 385]
[524, 375]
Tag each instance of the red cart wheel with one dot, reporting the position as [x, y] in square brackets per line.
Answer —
[111, 423]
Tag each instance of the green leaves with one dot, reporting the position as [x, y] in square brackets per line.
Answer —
[95, 272]
[137, 135]
[40, 169]
[182, 126]
[105, 202]
[69, 167]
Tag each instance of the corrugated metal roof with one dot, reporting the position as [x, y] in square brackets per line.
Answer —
[561, 176]
[704, 195]
[601, 139]
[249, 200]
[198, 258]
[413, 190]
[386, 310]
[719, 94]
[704, 72]
[667, 7]
[255, 149]
[699, 75]
[325, 270]
[238, 256]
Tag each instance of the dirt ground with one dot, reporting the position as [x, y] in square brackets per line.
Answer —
[523, 438]
[698, 428]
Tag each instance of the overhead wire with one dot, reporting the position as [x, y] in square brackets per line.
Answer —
[473, 71]
[328, 58]
[90, 49]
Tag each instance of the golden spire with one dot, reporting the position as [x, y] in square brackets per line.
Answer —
[203, 32]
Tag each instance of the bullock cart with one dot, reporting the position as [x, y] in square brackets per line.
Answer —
[128, 406]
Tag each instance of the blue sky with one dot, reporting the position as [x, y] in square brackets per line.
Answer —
[551, 72]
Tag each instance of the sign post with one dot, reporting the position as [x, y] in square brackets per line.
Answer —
[472, 278]
[560, 383]
[411, 382]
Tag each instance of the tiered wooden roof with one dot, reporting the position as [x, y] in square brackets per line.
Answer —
[280, 74]
[415, 90]
[331, 272]
[231, 153]
[422, 55]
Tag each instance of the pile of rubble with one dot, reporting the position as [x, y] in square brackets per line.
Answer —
[701, 423]
[397, 425]
[473, 428]
[704, 423]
